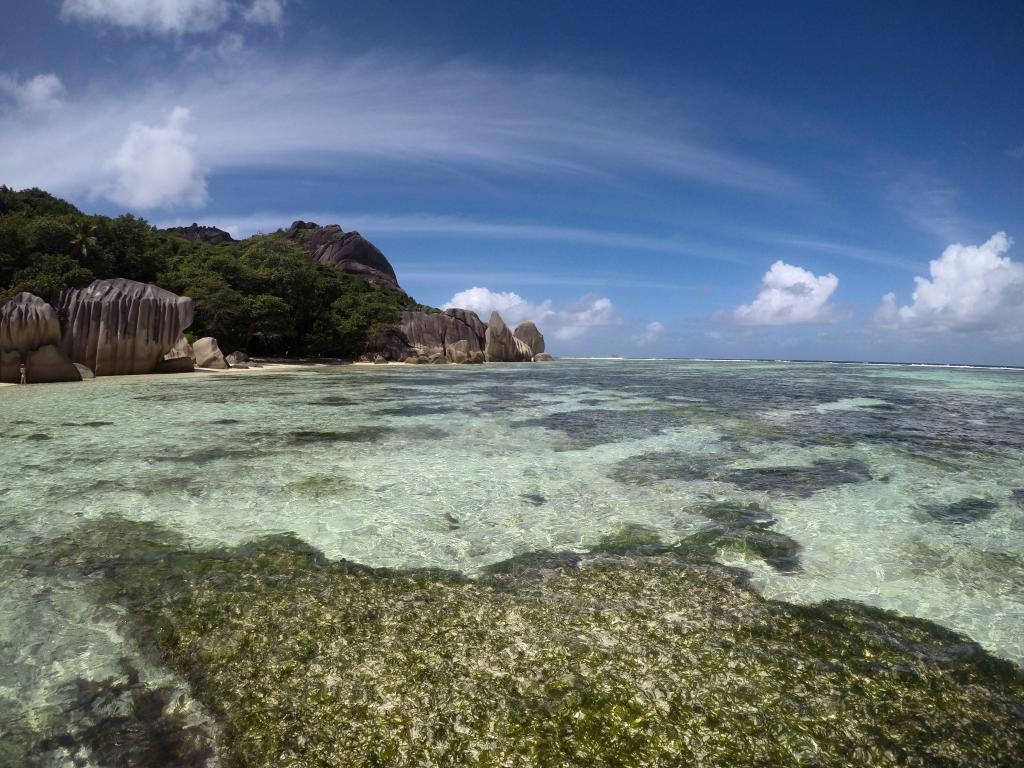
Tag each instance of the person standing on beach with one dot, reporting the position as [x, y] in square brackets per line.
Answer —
[24, 375]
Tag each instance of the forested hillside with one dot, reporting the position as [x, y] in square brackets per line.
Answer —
[264, 294]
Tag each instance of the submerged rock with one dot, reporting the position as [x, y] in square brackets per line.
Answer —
[800, 481]
[120, 326]
[608, 658]
[208, 355]
[961, 512]
[1017, 497]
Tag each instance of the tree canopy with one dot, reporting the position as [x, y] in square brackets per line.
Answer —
[264, 295]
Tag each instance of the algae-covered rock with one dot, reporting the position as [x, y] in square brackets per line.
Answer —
[632, 655]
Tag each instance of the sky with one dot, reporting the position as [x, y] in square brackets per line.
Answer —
[798, 180]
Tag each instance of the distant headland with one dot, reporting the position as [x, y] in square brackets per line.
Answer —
[84, 295]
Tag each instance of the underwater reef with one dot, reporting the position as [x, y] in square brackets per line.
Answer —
[636, 653]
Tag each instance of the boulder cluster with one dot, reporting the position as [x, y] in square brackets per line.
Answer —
[457, 336]
[106, 328]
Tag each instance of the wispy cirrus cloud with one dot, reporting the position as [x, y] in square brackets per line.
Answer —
[385, 111]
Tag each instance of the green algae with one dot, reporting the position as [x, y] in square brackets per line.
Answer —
[634, 654]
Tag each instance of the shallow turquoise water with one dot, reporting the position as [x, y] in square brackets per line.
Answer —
[916, 502]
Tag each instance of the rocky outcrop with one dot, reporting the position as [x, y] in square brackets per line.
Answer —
[208, 355]
[431, 333]
[469, 318]
[348, 251]
[48, 364]
[120, 326]
[10, 367]
[503, 347]
[26, 323]
[178, 360]
[198, 234]
[461, 352]
[84, 372]
[543, 357]
[527, 333]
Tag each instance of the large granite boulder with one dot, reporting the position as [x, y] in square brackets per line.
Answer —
[48, 364]
[119, 326]
[527, 332]
[348, 251]
[208, 355]
[468, 317]
[10, 367]
[178, 360]
[431, 333]
[501, 346]
[462, 352]
[26, 323]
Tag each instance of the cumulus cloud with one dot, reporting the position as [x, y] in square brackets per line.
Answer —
[652, 331]
[156, 166]
[512, 307]
[167, 17]
[566, 322]
[37, 94]
[971, 288]
[172, 17]
[266, 12]
[790, 295]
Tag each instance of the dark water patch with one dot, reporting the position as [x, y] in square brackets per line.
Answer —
[334, 401]
[592, 427]
[735, 514]
[452, 521]
[38, 436]
[656, 466]
[225, 422]
[534, 499]
[969, 510]
[324, 486]
[418, 409]
[778, 550]
[1017, 497]
[86, 423]
[120, 722]
[329, 436]
[208, 455]
[800, 481]
[559, 655]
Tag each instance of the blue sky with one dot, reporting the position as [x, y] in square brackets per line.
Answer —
[796, 180]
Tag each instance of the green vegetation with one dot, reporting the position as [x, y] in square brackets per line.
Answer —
[632, 655]
[263, 295]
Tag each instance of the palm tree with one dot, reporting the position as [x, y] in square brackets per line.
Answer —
[84, 238]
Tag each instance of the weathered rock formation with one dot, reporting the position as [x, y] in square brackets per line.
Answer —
[26, 323]
[348, 251]
[120, 326]
[208, 355]
[48, 364]
[543, 357]
[456, 336]
[29, 335]
[198, 234]
[461, 352]
[501, 346]
[527, 332]
[178, 359]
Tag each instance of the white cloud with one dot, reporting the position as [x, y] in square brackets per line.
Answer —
[167, 17]
[512, 307]
[790, 295]
[155, 166]
[652, 331]
[379, 113]
[565, 323]
[266, 12]
[37, 94]
[972, 288]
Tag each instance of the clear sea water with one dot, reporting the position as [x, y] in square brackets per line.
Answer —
[904, 486]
